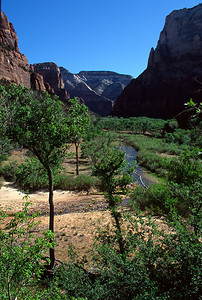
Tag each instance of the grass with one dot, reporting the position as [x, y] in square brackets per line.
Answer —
[153, 152]
[80, 183]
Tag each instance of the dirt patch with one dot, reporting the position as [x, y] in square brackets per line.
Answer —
[166, 155]
[65, 201]
[77, 216]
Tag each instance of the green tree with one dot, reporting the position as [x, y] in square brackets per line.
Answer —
[186, 168]
[110, 167]
[36, 122]
[79, 121]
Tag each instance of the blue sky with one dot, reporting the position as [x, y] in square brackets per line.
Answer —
[112, 35]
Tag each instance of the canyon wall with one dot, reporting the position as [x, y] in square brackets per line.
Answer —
[174, 71]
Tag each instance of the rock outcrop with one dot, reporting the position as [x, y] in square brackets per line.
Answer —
[174, 71]
[13, 64]
[52, 77]
[98, 89]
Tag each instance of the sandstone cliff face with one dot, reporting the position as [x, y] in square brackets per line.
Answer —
[174, 70]
[52, 77]
[98, 89]
[13, 65]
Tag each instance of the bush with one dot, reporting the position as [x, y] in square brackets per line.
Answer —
[80, 183]
[160, 264]
[8, 171]
[152, 199]
[21, 255]
[1, 182]
[186, 168]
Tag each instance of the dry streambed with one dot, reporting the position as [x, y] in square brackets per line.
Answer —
[77, 216]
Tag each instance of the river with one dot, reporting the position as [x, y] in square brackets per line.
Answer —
[138, 174]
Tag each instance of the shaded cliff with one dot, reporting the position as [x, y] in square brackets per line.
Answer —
[174, 70]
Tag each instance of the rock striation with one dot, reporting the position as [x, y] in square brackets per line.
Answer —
[174, 71]
[98, 89]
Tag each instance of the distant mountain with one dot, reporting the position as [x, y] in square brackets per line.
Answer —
[174, 71]
[98, 89]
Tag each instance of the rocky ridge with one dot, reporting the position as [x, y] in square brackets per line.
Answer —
[14, 65]
[98, 90]
[174, 71]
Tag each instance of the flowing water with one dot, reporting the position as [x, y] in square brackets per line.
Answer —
[130, 157]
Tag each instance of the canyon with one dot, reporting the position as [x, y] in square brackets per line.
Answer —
[173, 74]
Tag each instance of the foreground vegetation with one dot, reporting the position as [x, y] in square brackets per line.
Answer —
[133, 259]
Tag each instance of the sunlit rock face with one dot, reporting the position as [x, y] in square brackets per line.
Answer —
[98, 89]
[174, 71]
[106, 83]
[13, 64]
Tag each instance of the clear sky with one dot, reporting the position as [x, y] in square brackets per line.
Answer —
[112, 35]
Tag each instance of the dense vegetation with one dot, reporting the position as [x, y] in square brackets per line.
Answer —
[134, 259]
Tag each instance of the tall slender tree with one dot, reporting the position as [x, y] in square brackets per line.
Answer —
[79, 121]
[36, 122]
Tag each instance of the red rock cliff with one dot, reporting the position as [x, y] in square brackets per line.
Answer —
[13, 64]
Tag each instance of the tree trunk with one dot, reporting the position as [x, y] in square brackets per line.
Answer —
[77, 158]
[116, 216]
[51, 216]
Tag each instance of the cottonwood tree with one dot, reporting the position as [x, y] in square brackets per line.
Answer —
[37, 123]
[79, 122]
[110, 166]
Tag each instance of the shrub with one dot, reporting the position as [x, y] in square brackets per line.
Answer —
[80, 183]
[159, 264]
[8, 171]
[153, 199]
[1, 182]
[31, 175]
[21, 255]
[186, 169]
